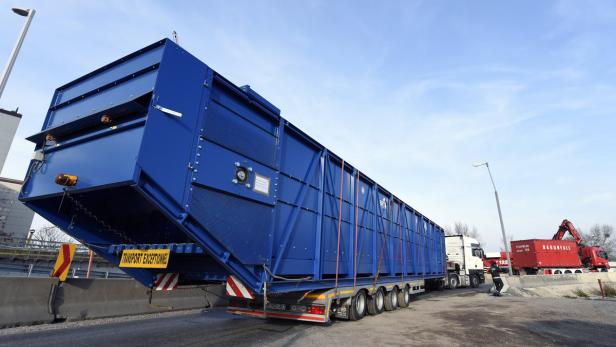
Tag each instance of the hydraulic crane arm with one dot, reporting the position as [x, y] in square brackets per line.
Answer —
[562, 230]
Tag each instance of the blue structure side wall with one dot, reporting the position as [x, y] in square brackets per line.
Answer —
[301, 212]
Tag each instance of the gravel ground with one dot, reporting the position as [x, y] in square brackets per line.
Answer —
[451, 317]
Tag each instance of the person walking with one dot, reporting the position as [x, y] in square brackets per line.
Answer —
[498, 282]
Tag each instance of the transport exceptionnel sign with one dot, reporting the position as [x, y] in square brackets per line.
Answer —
[145, 258]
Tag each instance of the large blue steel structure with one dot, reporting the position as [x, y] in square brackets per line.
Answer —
[163, 174]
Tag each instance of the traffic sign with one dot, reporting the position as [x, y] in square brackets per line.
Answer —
[63, 263]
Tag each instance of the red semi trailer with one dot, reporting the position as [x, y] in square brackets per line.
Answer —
[499, 257]
[557, 256]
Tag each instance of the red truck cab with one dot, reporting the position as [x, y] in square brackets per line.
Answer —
[594, 258]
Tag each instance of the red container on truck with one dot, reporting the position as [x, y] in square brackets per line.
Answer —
[557, 256]
[545, 254]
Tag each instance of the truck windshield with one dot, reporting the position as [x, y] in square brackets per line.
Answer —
[478, 252]
[602, 254]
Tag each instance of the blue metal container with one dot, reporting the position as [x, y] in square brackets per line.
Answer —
[169, 154]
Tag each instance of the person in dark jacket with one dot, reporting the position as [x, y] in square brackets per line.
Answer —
[498, 282]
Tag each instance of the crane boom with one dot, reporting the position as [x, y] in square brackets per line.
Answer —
[565, 226]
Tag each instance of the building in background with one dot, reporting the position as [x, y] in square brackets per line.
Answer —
[9, 120]
[15, 217]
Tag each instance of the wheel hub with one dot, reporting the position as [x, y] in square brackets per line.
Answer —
[379, 299]
[360, 304]
[394, 299]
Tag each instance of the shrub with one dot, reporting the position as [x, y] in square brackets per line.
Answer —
[580, 293]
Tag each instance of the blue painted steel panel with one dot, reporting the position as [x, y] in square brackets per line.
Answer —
[103, 100]
[257, 197]
[108, 74]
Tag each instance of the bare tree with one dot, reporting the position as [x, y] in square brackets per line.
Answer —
[51, 234]
[460, 228]
[448, 231]
[601, 235]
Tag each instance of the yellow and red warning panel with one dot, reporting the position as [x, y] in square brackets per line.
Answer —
[63, 262]
[145, 258]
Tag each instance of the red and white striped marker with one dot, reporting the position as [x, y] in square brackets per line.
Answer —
[166, 281]
[236, 288]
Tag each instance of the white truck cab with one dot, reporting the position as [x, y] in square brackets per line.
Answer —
[464, 261]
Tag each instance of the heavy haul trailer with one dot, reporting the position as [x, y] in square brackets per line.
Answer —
[161, 165]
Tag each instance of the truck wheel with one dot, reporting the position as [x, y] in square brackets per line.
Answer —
[454, 281]
[404, 297]
[474, 281]
[357, 310]
[376, 302]
[391, 299]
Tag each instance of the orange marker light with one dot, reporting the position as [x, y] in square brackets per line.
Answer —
[66, 180]
[105, 119]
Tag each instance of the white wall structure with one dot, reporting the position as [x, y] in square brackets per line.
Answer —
[15, 217]
[9, 121]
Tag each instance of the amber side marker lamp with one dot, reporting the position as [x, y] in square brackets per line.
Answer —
[66, 180]
[105, 119]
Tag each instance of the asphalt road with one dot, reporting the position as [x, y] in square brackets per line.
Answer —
[451, 317]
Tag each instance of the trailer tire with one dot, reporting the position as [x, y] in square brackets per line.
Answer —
[357, 310]
[404, 297]
[376, 302]
[391, 299]
[453, 281]
[474, 281]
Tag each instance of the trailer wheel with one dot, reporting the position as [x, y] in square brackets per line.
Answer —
[404, 297]
[376, 302]
[357, 310]
[453, 281]
[391, 299]
[474, 281]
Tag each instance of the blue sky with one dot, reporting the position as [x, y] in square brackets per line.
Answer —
[411, 92]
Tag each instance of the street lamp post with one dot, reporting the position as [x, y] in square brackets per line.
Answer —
[28, 13]
[500, 215]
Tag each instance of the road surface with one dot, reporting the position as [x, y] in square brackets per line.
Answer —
[451, 317]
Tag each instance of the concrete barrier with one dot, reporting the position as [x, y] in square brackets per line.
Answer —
[39, 300]
[25, 300]
[532, 281]
[79, 299]
[559, 285]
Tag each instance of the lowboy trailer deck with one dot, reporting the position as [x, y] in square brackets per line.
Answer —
[161, 165]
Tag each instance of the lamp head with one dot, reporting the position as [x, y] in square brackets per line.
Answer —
[21, 11]
[480, 164]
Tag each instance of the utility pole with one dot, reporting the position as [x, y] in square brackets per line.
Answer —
[500, 216]
[28, 13]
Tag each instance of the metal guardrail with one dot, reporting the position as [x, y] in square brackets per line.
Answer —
[30, 249]
[28, 257]
[43, 270]
[22, 242]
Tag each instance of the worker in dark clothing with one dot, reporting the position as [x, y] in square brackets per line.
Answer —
[498, 282]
